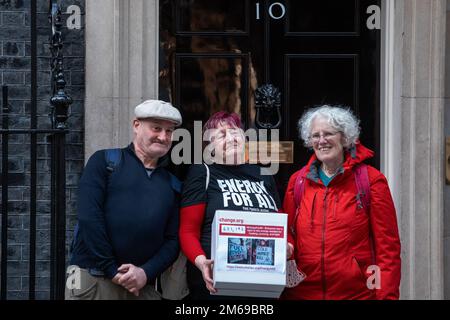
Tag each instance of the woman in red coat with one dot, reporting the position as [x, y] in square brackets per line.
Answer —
[348, 249]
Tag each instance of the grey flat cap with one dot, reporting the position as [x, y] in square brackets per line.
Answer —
[158, 109]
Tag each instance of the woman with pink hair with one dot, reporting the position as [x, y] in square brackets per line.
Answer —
[226, 183]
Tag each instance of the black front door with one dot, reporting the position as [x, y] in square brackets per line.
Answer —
[216, 53]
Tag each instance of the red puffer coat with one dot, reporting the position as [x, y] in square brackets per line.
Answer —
[332, 244]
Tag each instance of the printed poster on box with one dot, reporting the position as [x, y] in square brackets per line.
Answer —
[249, 252]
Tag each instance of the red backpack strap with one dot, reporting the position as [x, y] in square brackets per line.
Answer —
[299, 190]
[363, 198]
[299, 187]
[363, 185]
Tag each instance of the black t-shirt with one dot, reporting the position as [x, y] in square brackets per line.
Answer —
[241, 188]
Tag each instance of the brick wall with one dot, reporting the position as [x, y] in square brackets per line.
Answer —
[15, 64]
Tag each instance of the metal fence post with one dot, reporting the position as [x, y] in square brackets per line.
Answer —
[60, 102]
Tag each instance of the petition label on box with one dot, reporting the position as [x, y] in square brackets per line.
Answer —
[249, 242]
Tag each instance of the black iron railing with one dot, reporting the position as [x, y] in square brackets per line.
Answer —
[60, 103]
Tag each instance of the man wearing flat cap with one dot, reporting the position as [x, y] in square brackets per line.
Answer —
[127, 232]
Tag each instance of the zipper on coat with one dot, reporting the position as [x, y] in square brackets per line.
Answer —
[336, 200]
[324, 284]
[312, 210]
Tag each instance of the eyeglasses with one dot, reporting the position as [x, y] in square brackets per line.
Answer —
[326, 135]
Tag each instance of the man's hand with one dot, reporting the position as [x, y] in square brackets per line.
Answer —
[205, 266]
[116, 278]
[131, 278]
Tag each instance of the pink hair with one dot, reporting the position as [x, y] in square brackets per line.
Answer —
[223, 118]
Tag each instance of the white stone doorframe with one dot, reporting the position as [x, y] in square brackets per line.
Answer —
[122, 69]
[412, 135]
[389, 114]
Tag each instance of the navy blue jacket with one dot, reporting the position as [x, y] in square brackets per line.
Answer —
[126, 217]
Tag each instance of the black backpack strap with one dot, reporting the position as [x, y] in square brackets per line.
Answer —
[74, 239]
[112, 158]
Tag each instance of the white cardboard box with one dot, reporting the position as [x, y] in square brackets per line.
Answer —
[249, 252]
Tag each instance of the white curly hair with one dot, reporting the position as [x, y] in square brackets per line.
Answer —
[340, 118]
